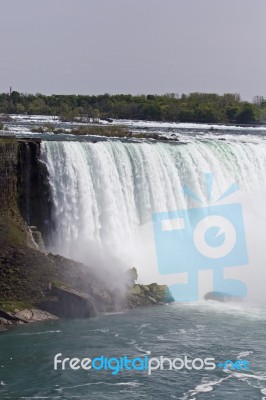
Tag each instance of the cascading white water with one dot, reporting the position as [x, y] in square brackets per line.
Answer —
[104, 194]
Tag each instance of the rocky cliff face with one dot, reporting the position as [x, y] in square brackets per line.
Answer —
[29, 277]
[12, 228]
[34, 198]
[8, 174]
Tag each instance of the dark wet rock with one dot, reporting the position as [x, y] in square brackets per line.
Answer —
[221, 297]
[8, 316]
[107, 119]
[69, 303]
[33, 190]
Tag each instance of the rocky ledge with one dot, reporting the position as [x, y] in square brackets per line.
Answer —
[145, 295]
[88, 299]
[222, 297]
[36, 286]
[26, 316]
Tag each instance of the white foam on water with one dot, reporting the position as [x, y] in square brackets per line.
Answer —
[40, 397]
[185, 125]
[204, 387]
[130, 383]
[244, 354]
[144, 124]
[38, 333]
[35, 118]
[244, 376]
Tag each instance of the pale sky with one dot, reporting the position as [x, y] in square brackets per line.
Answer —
[133, 46]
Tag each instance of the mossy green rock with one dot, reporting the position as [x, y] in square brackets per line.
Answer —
[136, 290]
[146, 295]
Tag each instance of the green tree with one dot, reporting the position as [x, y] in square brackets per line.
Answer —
[232, 112]
[248, 114]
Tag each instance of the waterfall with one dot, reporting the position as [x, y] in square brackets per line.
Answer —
[104, 193]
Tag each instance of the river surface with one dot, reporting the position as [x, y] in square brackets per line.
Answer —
[105, 194]
[219, 331]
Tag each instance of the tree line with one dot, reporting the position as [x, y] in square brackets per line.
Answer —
[194, 107]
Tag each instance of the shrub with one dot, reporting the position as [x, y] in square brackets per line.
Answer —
[110, 131]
